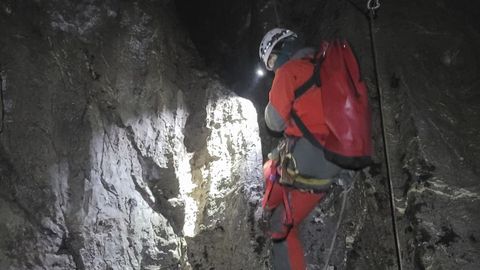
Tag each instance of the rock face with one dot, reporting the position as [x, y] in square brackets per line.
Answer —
[428, 77]
[431, 89]
[117, 150]
[428, 73]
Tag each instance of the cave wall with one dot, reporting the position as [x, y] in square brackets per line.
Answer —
[428, 73]
[121, 150]
[118, 150]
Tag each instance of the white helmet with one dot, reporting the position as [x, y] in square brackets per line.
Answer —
[269, 41]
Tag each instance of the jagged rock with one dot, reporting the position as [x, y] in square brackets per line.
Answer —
[120, 150]
[101, 164]
[429, 78]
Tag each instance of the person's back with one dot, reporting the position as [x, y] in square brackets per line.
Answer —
[288, 77]
[290, 204]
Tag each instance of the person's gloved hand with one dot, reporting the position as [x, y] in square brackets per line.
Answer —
[274, 154]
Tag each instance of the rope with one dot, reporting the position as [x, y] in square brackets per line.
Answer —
[373, 8]
[2, 85]
[342, 209]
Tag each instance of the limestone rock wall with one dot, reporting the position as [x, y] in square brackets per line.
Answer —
[428, 71]
[117, 150]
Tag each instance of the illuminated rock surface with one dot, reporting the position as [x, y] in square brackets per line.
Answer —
[117, 150]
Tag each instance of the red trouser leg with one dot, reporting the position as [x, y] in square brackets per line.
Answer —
[273, 192]
[301, 204]
[288, 253]
[296, 258]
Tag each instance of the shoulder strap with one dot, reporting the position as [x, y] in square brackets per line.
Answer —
[314, 79]
[305, 131]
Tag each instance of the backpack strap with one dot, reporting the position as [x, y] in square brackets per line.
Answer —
[305, 131]
[314, 79]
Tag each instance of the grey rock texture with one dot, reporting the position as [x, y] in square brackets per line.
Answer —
[428, 75]
[428, 71]
[117, 150]
[431, 87]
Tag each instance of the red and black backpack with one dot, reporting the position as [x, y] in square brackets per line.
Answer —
[345, 103]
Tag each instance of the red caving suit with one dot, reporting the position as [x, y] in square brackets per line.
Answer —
[289, 205]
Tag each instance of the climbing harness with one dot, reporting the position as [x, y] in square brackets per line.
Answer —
[290, 175]
[372, 6]
[2, 88]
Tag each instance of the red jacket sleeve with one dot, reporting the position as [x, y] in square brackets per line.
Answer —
[281, 94]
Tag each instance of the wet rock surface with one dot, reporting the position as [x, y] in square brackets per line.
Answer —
[118, 151]
[429, 84]
[432, 97]
[428, 74]
[121, 150]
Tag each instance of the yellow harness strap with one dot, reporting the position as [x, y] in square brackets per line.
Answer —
[309, 181]
[291, 175]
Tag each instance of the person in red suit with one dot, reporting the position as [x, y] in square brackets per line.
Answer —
[281, 51]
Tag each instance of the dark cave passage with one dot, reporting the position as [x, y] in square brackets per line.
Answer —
[133, 134]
